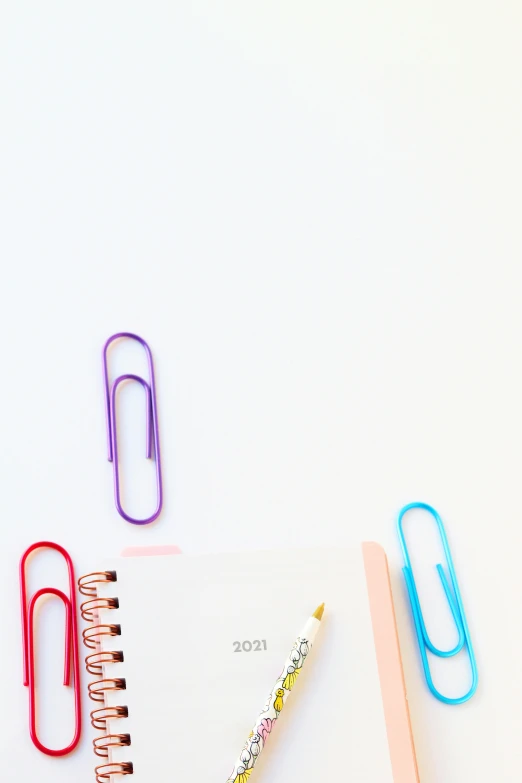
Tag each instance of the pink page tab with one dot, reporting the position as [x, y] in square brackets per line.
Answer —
[389, 662]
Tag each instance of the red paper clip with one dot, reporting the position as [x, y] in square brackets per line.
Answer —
[71, 645]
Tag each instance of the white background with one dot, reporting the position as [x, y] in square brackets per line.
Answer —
[312, 213]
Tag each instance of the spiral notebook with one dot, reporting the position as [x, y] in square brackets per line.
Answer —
[186, 648]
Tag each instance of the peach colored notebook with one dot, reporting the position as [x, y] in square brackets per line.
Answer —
[201, 638]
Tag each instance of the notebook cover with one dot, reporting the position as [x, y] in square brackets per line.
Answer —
[389, 662]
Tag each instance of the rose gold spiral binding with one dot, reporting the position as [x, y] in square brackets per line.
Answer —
[95, 663]
[87, 584]
[103, 744]
[92, 635]
[103, 773]
[100, 716]
[98, 689]
[91, 608]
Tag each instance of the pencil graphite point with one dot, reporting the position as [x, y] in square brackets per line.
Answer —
[318, 614]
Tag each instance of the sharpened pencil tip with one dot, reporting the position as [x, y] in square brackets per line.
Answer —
[318, 614]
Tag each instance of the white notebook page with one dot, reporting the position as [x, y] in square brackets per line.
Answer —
[193, 699]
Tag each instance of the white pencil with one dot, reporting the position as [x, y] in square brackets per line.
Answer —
[246, 762]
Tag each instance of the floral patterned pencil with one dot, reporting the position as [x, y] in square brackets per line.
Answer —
[264, 724]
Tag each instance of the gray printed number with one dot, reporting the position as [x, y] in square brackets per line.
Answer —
[256, 646]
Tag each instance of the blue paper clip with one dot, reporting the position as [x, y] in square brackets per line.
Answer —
[452, 591]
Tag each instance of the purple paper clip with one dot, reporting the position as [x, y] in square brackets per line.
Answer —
[151, 419]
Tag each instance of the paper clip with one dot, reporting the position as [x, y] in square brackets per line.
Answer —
[71, 645]
[151, 424]
[451, 588]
